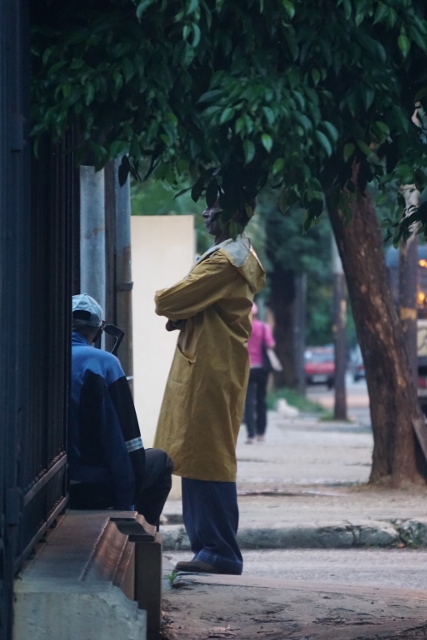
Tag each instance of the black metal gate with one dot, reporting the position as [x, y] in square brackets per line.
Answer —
[38, 203]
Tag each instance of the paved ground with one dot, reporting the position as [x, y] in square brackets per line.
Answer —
[325, 555]
[246, 608]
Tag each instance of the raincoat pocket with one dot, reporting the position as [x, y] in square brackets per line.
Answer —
[182, 367]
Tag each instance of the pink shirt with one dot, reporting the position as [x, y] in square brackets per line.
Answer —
[260, 332]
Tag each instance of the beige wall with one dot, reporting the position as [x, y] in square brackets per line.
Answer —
[163, 252]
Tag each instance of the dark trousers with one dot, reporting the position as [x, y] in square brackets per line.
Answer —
[211, 519]
[256, 403]
[150, 496]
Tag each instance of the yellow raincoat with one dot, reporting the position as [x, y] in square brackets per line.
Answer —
[203, 402]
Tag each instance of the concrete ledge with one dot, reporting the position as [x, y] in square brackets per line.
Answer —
[48, 613]
[81, 583]
[340, 535]
[413, 532]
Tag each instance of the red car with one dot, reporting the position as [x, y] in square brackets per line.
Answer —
[319, 366]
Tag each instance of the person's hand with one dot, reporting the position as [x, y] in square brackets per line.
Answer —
[176, 325]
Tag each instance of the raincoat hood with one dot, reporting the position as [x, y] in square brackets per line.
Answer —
[241, 255]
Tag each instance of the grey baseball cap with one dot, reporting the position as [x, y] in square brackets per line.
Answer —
[86, 311]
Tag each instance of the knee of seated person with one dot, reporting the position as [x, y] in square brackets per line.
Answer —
[163, 458]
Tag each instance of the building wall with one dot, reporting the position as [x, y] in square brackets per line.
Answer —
[163, 251]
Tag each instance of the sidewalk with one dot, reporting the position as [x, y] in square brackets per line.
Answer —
[305, 487]
[325, 555]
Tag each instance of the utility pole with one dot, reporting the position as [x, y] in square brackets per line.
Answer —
[123, 276]
[340, 321]
[118, 264]
[408, 275]
[92, 233]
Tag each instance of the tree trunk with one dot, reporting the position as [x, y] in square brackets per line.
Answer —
[282, 304]
[393, 400]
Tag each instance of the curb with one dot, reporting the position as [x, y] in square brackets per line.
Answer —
[410, 533]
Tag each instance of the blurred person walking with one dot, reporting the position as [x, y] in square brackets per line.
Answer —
[205, 393]
[256, 395]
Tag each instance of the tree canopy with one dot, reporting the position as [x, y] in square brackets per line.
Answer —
[234, 95]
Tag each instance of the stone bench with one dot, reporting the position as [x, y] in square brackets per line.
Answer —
[97, 575]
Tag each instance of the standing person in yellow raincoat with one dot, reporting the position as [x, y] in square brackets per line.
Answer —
[204, 398]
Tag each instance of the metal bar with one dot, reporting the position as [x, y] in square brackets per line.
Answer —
[44, 480]
[40, 532]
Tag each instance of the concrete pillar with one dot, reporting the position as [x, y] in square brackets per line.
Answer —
[92, 233]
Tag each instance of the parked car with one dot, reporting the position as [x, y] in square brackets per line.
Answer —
[357, 366]
[319, 366]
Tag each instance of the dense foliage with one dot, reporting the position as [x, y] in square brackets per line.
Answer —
[234, 94]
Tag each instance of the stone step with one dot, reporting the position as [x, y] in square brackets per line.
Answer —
[90, 579]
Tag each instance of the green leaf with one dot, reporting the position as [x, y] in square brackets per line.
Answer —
[368, 95]
[269, 114]
[89, 93]
[212, 192]
[278, 165]
[118, 148]
[59, 65]
[404, 44]
[196, 35]
[234, 229]
[332, 131]
[249, 151]
[324, 142]
[66, 90]
[347, 9]
[303, 121]
[240, 124]
[267, 142]
[118, 80]
[383, 127]
[186, 30]
[192, 6]
[419, 178]
[283, 201]
[289, 8]
[143, 5]
[124, 169]
[348, 151]
[181, 193]
[364, 147]
[299, 99]
[226, 115]
[315, 74]
[360, 15]
[197, 189]
[210, 95]
[315, 208]
[308, 222]
[381, 12]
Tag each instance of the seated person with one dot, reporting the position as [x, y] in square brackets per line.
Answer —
[108, 465]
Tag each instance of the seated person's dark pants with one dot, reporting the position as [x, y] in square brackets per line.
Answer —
[151, 496]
